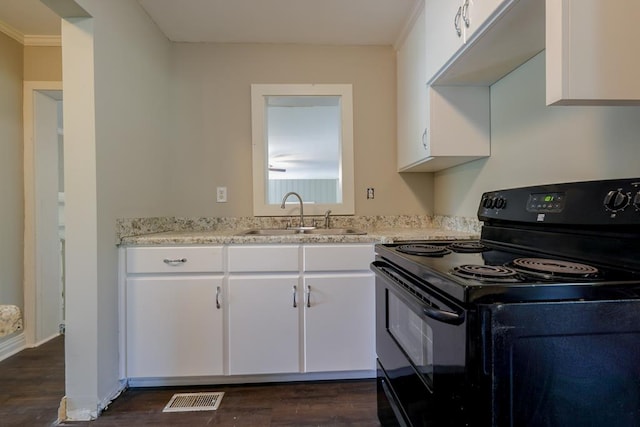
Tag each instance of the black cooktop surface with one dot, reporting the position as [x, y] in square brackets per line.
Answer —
[475, 271]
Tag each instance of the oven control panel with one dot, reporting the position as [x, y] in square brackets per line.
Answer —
[546, 202]
[605, 202]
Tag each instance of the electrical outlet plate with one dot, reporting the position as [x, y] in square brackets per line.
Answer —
[370, 193]
[221, 194]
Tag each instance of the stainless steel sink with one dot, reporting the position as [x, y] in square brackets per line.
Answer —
[335, 231]
[291, 231]
[269, 232]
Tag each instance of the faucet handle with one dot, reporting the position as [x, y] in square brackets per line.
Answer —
[327, 219]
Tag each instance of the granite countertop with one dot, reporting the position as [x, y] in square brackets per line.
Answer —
[219, 237]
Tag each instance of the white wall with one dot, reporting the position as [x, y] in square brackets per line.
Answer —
[11, 176]
[533, 144]
[133, 129]
[116, 120]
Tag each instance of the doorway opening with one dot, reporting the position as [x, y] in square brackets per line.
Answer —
[44, 246]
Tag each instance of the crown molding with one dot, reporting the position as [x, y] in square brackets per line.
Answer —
[11, 32]
[408, 25]
[30, 40]
[42, 40]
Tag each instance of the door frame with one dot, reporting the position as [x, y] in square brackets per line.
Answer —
[31, 287]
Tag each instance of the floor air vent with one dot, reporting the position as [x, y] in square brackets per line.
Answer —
[187, 402]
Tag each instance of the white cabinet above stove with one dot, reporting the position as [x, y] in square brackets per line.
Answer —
[591, 52]
[589, 47]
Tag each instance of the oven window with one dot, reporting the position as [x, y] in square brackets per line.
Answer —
[413, 334]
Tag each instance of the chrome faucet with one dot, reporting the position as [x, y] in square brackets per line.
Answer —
[284, 199]
[327, 219]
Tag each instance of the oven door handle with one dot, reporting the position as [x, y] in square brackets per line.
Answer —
[444, 316]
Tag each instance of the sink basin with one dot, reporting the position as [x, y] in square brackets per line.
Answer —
[290, 231]
[269, 232]
[334, 231]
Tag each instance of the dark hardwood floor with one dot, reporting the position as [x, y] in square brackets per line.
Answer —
[32, 384]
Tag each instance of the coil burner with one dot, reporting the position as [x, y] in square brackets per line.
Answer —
[424, 250]
[487, 273]
[468, 247]
[553, 269]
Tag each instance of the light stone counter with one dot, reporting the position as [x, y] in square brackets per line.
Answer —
[220, 231]
[218, 237]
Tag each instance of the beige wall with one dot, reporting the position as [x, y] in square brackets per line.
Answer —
[11, 172]
[212, 143]
[43, 63]
[534, 144]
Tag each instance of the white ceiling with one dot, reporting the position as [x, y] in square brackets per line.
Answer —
[359, 22]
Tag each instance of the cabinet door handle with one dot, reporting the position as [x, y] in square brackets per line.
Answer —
[424, 138]
[176, 261]
[308, 296]
[295, 299]
[218, 291]
[465, 14]
[456, 22]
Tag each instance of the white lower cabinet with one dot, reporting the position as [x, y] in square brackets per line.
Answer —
[339, 322]
[259, 309]
[263, 325]
[318, 318]
[173, 311]
[174, 327]
[263, 309]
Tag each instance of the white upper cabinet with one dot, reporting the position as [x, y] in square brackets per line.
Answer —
[438, 127]
[450, 25]
[592, 54]
[496, 37]
[458, 127]
[443, 20]
[476, 12]
[412, 96]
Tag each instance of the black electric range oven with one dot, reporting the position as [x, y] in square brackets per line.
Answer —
[535, 324]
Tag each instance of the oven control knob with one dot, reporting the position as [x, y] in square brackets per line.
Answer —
[636, 201]
[488, 202]
[501, 203]
[616, 200]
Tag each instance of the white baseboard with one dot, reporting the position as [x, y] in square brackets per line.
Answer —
[88, 413]
[45, 340]
[12, 345]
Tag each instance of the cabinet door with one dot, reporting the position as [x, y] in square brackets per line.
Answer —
[263, 324]
[411, 85]
[476, 14]
[442, 39]
[339, 322]
[173, 326]
[591, 53]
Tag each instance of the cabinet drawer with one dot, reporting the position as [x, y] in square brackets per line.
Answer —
[175, 259]
[263, 258]
[338, 257]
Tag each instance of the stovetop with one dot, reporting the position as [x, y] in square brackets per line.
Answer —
[476, 271]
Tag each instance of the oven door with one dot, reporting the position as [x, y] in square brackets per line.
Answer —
[421, 349]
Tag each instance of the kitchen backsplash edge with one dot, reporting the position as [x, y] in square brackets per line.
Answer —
[127, 227]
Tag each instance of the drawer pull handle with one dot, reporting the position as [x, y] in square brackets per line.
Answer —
[218, 291]
[175, 261]
[308, 296]
[295, 299]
